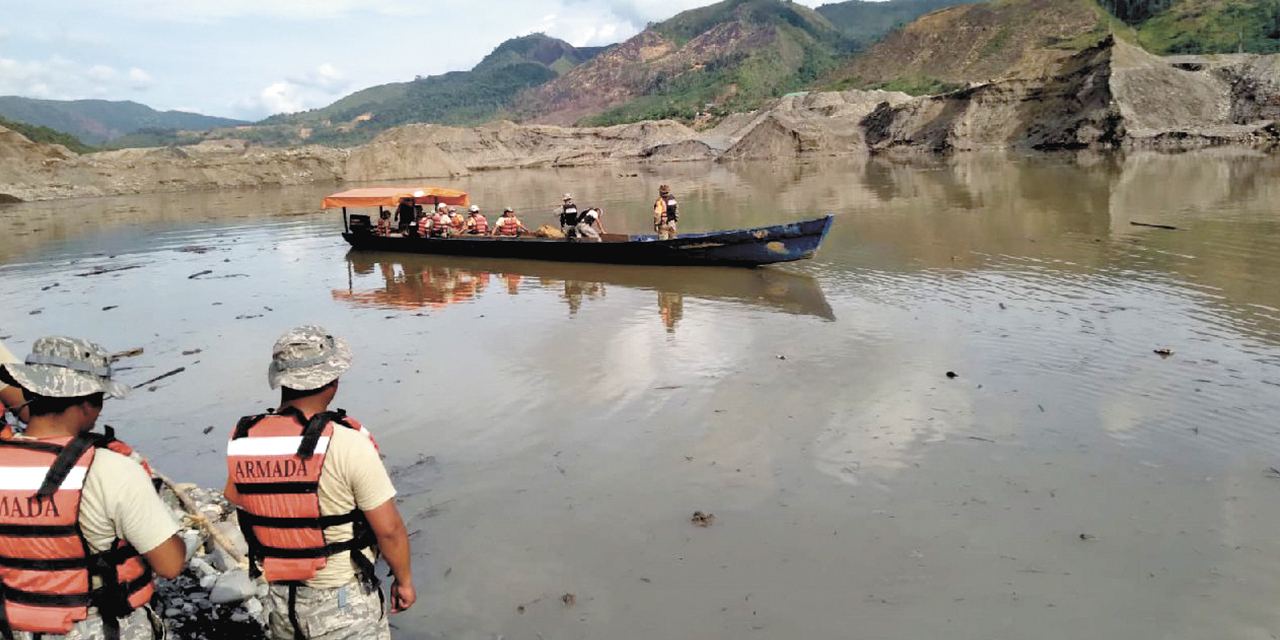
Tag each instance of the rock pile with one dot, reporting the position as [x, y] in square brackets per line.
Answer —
[214, 596]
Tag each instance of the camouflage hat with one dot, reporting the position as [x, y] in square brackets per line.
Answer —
[61, 367]
[307, 358]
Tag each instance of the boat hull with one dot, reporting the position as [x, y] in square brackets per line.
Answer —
[742, 247]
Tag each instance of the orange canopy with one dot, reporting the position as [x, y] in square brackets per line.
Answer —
[391, 196]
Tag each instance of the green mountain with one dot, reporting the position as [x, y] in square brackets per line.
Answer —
[975, 43]
[455, 98]
[45, 134]
[1202, 26]
[729, 56]
[100, 121]
[867, 21]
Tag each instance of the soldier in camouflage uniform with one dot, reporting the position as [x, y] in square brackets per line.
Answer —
[64, 382]
[341, 601]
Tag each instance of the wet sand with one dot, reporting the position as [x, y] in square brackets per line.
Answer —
[552, 427]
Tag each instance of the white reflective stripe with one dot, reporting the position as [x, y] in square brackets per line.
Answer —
[30, 478]
[273, 446]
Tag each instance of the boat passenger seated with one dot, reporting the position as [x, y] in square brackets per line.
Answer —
[477, 224]
[440, 223]
[508, 224]
[384, 222]
[457, 222]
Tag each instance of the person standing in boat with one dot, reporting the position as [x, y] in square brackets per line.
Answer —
[665, 214]
[316, 503]
[477, 224]
[508, 224]
[568, 216]
[405, 215]
[589, 226]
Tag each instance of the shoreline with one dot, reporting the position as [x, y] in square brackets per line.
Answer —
[1112, 97]
[213, 597]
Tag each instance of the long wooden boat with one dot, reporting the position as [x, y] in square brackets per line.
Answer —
[739, 247]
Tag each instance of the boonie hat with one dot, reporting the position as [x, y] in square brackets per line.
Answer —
[568, 197]
[475, 209]
[306, 358]
[508, 210]
[61, 367]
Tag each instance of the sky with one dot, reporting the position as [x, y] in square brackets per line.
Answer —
[248, 59]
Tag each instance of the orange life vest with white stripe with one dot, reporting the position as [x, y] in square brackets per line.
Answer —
[508, 225]
[46, 569]
[275, 460]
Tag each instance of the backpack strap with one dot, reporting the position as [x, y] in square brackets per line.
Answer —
[64, 463]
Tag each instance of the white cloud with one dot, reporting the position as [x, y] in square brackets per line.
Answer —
[293, 10]
[101, 72]
[139, 80]
[315, 88]
[325, 77]
[59, 78]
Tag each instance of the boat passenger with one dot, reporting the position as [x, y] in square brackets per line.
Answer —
[568, 216]
[116, 531]
[508, 224]
[440, 222]
[589, 226]
[665, 215]
[405, 215]
[316, 537]
[424, 223]
[457, 222]
[384, 222]
[477, 224]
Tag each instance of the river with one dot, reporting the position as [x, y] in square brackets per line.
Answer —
[553, 427]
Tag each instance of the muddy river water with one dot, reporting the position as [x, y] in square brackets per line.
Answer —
[552, 427]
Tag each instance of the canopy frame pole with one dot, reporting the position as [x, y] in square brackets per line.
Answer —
[346, 226]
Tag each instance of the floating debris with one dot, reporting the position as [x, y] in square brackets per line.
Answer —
[952, 374]
[162, 376]
[1164, 353]
[97, 271]
[701, 519]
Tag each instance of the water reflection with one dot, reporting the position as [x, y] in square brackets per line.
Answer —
[422, 282]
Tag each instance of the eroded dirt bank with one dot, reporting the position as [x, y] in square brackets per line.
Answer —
[1111, 96]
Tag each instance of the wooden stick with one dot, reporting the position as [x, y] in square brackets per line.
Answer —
[136, 351]
[1158, 226]
[161, 377]
[200, 519]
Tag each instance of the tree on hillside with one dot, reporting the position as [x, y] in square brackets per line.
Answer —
[1135, 11]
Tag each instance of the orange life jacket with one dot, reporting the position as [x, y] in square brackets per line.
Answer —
[480, 224]
[275, 460]
[45, 566]
[508, 225]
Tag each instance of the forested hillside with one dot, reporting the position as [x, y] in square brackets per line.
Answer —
[99, 121]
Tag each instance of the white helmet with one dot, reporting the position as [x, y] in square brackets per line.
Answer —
[475, 209]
